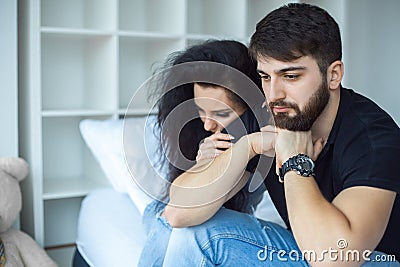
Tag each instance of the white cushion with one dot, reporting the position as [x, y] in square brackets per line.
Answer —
[111, 142]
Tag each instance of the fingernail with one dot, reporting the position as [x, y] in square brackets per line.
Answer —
[231, 137]
[264, 104]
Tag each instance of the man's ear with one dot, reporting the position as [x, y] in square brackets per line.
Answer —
[335, 74]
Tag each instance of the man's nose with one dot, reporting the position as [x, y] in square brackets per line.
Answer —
[276, 90]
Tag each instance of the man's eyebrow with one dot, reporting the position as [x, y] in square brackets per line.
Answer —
[290, 69]
[282, 70]
[261, 72]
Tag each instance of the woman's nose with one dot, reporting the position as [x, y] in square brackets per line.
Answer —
[209, 124]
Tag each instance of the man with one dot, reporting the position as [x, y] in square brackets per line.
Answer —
[336, 155]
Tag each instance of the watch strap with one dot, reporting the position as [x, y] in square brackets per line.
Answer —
[294, 164]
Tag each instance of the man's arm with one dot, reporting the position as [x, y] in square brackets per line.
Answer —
[357, 218]
[196, 195]
[358, 215]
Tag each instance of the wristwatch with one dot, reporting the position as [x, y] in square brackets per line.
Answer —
[301, 164]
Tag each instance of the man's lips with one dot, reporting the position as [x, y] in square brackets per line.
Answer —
[280, 109]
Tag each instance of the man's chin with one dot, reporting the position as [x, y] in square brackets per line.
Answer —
[293, 125]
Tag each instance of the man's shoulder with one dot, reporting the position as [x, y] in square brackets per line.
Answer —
[366, 144]
[364, 129]
[364, 116]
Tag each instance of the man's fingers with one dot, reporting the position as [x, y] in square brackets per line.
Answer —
[318, 146]
[208, 154]
[269, 128]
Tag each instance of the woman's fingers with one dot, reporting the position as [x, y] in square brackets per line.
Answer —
[214, 145]
[220, 136]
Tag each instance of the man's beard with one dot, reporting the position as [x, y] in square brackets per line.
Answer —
[303, 120]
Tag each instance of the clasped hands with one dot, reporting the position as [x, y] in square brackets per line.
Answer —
[270, 141]
[285, 144]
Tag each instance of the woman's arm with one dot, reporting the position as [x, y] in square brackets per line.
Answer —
[196, 195]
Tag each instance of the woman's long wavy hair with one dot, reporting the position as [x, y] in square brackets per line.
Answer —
[191, 133]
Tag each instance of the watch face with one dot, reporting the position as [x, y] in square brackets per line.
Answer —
[305, 166]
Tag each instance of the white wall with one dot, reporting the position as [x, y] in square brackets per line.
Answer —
[371, 47]
[8, 79]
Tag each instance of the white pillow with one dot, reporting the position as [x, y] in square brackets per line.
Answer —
[111, 142]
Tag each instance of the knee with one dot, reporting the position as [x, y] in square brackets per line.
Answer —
[184, 239]
[225, 222]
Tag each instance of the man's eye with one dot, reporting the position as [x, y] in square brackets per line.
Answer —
[292, 76]
[265, 78]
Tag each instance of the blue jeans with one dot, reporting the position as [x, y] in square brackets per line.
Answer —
[229, 238]
[158, 233]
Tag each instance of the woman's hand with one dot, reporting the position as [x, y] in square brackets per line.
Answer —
[263, 142]
[213, 146]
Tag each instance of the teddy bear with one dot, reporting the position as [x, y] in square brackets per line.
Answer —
[16, 247]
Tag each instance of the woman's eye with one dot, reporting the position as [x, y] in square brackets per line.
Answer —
[223, 114]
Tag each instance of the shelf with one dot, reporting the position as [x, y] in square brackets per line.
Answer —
[74, 31]
[133, 112]
[149, 35]
[152, 16]
[70, 188]
[60, 221]
[65, 154]
[78, 72]
[138, 60]
[216, 18]
[76, 113]
[202, 37]
[88, 14]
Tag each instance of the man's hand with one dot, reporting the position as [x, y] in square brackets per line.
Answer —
[289, 144]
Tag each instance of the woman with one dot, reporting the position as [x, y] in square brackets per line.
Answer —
[200, 112]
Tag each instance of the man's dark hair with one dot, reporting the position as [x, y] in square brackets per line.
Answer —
[297, 30]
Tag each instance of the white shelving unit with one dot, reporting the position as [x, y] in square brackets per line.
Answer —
[85, 59]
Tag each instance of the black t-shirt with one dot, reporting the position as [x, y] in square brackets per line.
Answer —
[363, 149]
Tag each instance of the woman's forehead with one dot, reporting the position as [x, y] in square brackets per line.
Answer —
[211, 97]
